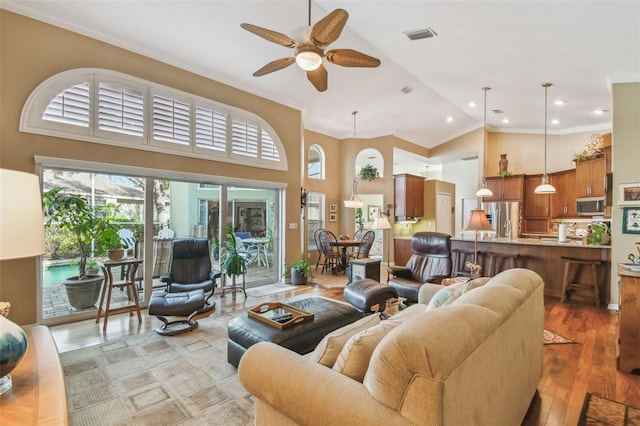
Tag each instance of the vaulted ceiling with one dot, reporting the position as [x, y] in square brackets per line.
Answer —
[510, 46]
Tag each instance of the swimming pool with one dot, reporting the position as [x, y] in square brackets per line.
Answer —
[53, 274]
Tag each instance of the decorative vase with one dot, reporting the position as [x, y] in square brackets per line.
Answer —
[13, 345]
[503, 164]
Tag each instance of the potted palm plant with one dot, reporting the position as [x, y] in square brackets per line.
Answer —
[234, 262]
[86, 223]
[299, 272]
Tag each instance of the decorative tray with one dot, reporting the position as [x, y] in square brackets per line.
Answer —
[279, 315]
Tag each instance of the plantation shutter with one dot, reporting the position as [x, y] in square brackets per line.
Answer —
[120, 109]
[70, 106]
[244, 138]
[269, 148]
[211, 129]
[171, 120]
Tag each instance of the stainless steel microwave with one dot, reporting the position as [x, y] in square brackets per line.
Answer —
[590, 206]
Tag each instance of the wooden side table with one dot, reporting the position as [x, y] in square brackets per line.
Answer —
[364, 268]
[130, 267]
[38, 395]
[629, 321]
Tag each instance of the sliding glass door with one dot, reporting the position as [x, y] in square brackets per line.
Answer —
[153, 212]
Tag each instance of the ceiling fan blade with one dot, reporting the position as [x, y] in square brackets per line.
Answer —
[276, 65]
[272, 36]
[318, 78]
[328, 29]
[351, 58]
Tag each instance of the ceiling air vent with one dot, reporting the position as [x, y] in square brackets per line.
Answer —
[419, 34]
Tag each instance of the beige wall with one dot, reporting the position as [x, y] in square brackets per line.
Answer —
[32, 51]
[626, 154]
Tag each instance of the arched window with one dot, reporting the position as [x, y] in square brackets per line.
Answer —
[315, 162]
[370, 156]
[103, 106]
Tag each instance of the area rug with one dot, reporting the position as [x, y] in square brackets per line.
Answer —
[597, 410]
[149, 379]
[551, 338]
[269, 289]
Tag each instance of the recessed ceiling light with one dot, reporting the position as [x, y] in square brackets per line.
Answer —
[472, 104]
[449, 119]
[506, 120]
[555, 121]
[599, 111]
[497, 111]
[560, 102]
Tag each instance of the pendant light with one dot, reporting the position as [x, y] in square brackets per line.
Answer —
[484, 191]
[354, 202]
[545, 187]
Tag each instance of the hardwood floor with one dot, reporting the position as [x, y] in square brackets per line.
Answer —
[569, 370]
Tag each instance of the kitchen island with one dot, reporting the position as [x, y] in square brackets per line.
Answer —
[544, 257]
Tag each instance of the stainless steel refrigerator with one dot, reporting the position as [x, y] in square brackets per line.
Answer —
[498, 213]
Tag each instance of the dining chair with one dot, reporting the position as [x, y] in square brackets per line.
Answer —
[332, 255]
[362, 251]
[317, 241]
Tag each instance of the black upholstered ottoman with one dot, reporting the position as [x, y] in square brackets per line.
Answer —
[365, 293]
[302, 338]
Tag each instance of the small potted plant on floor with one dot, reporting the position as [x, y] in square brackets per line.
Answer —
[72, 213]
[299, 272]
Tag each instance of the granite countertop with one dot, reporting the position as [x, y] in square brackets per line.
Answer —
[537, 241]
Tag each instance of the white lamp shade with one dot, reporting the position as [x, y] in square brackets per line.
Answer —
[484, 192]
[381, 223]
[353, 204]
[21, 221]
[545, 187]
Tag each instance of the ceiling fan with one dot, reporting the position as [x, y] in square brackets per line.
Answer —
[310, 43]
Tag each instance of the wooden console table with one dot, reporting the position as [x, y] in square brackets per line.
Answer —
[629, 321]
[38, 395]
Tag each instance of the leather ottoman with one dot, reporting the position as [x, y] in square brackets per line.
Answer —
[302, 338]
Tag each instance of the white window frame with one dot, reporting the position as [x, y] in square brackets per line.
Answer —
[31, 120]
[320, 151]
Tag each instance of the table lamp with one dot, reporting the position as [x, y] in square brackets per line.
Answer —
[477, 222]
[382, 222]
[21, 235]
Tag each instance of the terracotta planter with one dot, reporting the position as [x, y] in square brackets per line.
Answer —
[83, 294]
[115, 254]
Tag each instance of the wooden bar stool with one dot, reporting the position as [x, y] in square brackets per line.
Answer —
[504, 257]
[460, 256]
[569, 286]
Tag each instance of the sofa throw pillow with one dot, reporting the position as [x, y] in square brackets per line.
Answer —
[353, 360]
[330, 346]
[446, 295]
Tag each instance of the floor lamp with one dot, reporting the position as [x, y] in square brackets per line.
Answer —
[477, 222]
[21, 235]
[382, 222]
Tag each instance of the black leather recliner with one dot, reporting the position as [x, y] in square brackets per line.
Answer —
[190, 269]
[430, 262]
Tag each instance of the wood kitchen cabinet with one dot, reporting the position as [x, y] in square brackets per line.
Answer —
[401, 251]
[629, 321]
[591, 176]
[563, 202]
[536, 207]
[505, 189]
[408, 196]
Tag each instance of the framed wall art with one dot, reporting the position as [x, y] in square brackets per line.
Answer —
[631, 220]
[373, 212]
[629, 194]
[333, 217]
[333, 207]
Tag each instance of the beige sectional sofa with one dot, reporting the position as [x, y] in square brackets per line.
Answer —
[476, 360]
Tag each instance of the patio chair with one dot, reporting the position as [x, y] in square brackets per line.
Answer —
[128, 240]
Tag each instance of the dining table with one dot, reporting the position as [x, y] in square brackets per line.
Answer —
[344, 256]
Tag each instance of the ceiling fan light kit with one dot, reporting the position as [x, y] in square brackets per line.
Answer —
[310, 43]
